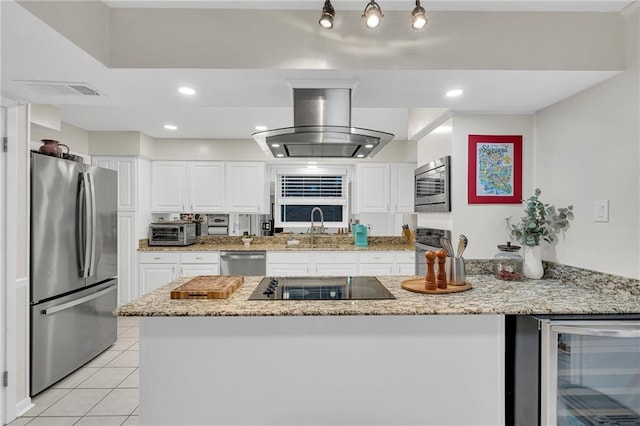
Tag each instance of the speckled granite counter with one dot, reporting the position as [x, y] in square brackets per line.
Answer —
[488, 296]
[279, 243]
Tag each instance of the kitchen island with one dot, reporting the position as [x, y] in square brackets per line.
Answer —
[416, 360]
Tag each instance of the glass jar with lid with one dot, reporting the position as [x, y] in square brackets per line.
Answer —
[507, 263]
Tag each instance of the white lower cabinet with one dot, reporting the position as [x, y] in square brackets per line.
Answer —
[289, 264]
[405, 263]
[157, 268]
[335, 263]
[199, 263]
[376, 263]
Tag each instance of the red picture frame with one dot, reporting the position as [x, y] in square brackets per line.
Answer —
[494, 169]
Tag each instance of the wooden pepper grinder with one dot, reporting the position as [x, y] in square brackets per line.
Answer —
[430, 279]
[441, 281]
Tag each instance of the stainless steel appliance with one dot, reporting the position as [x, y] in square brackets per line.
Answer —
[74, 265]
[218, 224]
[573, 370]
[320, 288]
[173, 233]
[433, 186]
[243, 263]
[427, 239]
[322, 128]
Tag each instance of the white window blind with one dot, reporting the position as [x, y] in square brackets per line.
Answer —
[326, 186]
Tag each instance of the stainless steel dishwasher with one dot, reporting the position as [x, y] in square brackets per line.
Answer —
[243, 263]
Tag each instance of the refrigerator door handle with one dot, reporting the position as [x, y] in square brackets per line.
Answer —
[80, 301]
[94, 225]
[85, 230]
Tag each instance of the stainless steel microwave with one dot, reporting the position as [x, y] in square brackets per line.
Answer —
[175, 233]
[433, 186]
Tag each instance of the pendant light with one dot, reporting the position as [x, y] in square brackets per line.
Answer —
[418, 17]
[372, 14]
[328, 13]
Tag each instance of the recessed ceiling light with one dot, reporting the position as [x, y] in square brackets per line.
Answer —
[171, 127]
[187, 90]
[454, 92]
[261, 128]
[275, 145]
[368, 145]
[360, 155]
[280, 155]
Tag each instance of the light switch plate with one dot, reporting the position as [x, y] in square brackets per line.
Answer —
[601, 211]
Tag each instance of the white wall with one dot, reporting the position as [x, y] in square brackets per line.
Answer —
[436, 144]
[588, 148]
[484, 224]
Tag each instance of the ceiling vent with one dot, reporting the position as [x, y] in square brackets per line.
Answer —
[61, 88]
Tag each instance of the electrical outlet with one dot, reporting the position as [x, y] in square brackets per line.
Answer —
[601, 211]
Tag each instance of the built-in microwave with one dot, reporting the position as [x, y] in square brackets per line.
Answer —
[433, 186]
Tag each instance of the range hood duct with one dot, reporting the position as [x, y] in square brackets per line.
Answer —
[322, 128]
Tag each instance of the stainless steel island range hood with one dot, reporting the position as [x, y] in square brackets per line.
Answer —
[322, 128]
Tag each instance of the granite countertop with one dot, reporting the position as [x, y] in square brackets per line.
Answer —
[488, 296]
[279, 243]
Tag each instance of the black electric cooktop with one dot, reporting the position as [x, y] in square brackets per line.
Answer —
[320, 288]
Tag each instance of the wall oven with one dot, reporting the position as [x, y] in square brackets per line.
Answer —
[573, 370]
[433, 186]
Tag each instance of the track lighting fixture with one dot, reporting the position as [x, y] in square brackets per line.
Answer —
[372, 14]
[328, 12]
[418, 17]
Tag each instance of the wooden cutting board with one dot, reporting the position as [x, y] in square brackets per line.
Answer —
[208, 287]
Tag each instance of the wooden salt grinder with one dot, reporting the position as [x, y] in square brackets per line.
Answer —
[430, 279]
[441, 281]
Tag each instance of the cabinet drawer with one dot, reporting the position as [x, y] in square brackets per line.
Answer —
[279, 257]
[158, 257]
[376, 257]
[405, 257]
[336, 257]
[200, 257]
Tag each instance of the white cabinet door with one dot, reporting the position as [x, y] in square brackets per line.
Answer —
[155, 275]
[372, 188]
[194, 269]
[126, 168]
[406, 269]
[127, 245]
[341, 269]
[206, 187]
[376, 269]
[168, 186]
[245, 187]
[284, 270]
[402, 187]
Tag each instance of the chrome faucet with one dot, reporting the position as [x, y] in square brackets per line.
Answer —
[313, 210]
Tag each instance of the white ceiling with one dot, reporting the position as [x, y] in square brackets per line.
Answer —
[230, 103]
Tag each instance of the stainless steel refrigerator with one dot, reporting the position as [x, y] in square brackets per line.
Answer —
[73, 283]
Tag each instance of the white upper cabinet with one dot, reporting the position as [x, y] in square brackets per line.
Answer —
[372, 188]
[169, 186]
[384, 188]
[127, 181]
[402, 191]
[206, 186]
[245, 184]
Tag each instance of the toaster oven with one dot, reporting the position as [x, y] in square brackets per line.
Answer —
[176, 233]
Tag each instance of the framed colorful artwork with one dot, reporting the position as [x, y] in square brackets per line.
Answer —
[495, 169]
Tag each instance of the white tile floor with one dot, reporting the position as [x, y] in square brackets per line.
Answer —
[104, 392]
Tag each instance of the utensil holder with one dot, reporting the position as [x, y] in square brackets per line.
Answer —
[455, 270]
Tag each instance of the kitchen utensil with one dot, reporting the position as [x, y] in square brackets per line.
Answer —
[446, 244]
[455, 270]
[462, 244]
[52, 147]
[208, 287]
